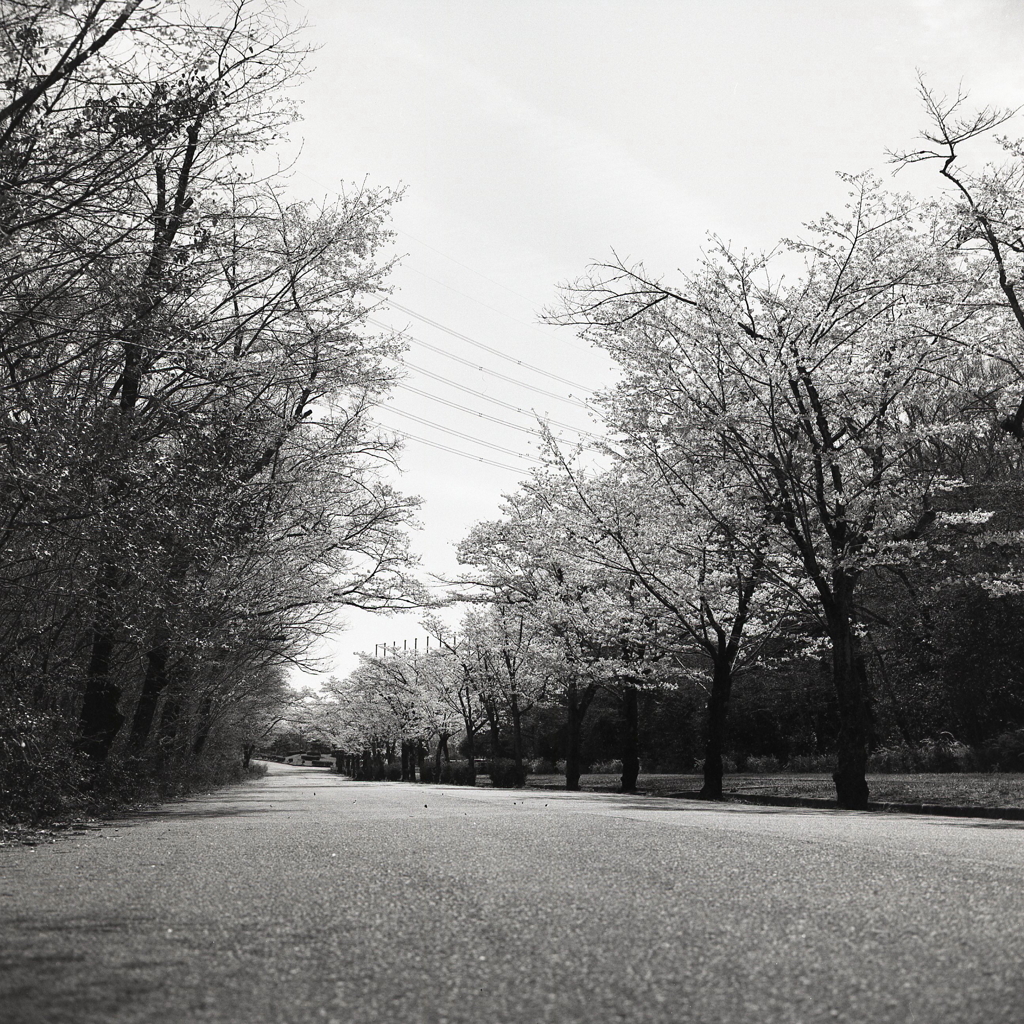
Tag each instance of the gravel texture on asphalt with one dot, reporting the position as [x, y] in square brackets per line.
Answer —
[305, 898]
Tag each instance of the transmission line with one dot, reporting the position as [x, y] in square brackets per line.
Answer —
[495, 401]
[482, 369]
[466, 437]
[465, 455]
[483, 415]
[486, 348]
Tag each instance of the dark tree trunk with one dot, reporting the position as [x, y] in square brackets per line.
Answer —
[406, 761]
[492, 720]
[849, 679]
[99, 719]
[630, 740]
[517, 742]
[442, 749]
[168, 745]
[471, 752]
[714, 744]
[577, 705]
[248, 749]
[205, 721]
[153, 685]
[169, 718]
[470, 723]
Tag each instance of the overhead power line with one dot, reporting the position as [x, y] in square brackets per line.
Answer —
[485, 416]
[458, 263]
[466, 455]
[471, 412]
[482, 369]
[486, 348]
[466, 437]
[494, 309]
[495, 401]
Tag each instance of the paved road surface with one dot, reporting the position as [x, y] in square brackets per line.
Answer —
[304, 899]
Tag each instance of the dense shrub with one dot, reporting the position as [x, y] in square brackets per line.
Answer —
[393, 772]
[1005, 753]
[458, 773]
[763, 765]
[892, 760]
[541, 766]
[41, 775]
[613, 767]
[503, 773]
[945, 754]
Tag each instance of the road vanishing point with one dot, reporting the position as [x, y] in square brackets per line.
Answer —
[304, 898]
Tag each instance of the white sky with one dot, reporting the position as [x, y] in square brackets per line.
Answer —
[534, 136]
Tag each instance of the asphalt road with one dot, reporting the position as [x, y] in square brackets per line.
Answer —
[304, 899]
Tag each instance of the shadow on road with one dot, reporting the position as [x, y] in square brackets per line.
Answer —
[679, 805]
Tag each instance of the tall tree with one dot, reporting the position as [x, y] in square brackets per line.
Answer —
[534, 557]
[829, 394]
[190, 472]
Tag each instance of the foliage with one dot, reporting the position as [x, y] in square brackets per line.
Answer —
[190, 471]
[799, 548]
[504, 773]
[458, 773]
[1005, 752]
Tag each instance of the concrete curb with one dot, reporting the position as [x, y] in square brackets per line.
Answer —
[942, 810]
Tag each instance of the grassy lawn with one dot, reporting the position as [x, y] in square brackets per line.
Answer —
[977, 790]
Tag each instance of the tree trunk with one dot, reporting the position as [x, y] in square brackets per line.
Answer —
[849, 679]
[168, 746]
[630, 740]
[100, 720]
[169, 716]
[714, 744]
[406, 759]
[492, 721]
[421, 760]
[577, 703]
[442, 749]
[517, 742]
[471, 751]
[248, 749]
[152, 686]
[205, 719]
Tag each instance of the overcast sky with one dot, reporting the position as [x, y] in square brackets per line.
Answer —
[533, 137]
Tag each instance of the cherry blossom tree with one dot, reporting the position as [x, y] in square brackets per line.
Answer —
[592, 623]
[830, 393]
